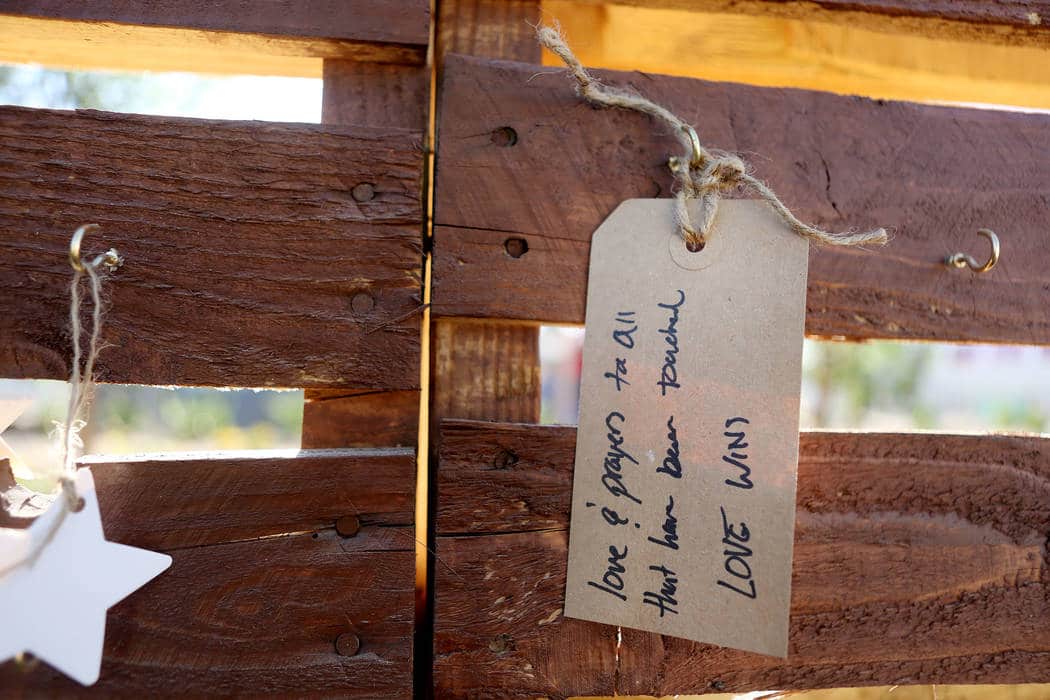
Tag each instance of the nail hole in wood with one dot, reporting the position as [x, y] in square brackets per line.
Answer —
[505, 459]
[504, 136]
[347, 644]
[361, 303]
[365, 192]
[516, 247]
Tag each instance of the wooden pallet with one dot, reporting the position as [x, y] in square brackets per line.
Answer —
[344, 259]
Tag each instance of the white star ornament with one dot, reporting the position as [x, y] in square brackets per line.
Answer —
[54, 606]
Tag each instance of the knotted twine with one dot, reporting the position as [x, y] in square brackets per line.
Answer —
[81, 380]
[700, 174]
[81, 384]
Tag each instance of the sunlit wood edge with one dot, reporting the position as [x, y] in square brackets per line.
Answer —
[779, 52]
[111, 46]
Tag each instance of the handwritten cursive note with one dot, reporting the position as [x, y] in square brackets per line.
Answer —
[686, 456]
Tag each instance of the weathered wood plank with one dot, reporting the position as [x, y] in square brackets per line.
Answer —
[480, 369]
[919, 558]
[335, 418]
[275, 37]
[376, 95]
[255, 254]
[537, 168]
[189, 500]
[978, 21]
[487, 371]
[263, 581]
[257, 617]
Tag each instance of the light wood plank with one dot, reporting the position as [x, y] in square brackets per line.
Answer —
[272, 38]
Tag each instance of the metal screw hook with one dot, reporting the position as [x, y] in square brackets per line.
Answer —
[696, 160]
[962, 260]
[111, 258]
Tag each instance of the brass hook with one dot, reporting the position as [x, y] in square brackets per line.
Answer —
[698, 157]
[962, 260]
[110, 258]
[698, 150]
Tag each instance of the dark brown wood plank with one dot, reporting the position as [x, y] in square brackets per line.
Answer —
[263, 581]
[1021, 22]
[524, 160]
[261, 618]
[376, 94]
[490, 28]
[480, 369]
[919, 558]
[190, 500]
[255, 254]
[334, 418]
[392, 21]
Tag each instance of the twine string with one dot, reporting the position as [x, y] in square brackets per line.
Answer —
[81, 380]
[700, 174]
[81, 385]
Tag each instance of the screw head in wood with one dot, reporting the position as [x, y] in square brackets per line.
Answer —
[347, 644]
[361, 303]
[364, 192]
[348, 525]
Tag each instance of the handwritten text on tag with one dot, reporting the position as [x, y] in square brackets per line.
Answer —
[687, 451]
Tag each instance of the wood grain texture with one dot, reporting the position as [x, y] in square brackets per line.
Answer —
[932, 175]
[105, 45]
[486, 371]
[250, 257]
[919, 558]
[261, 583]
[381, 21]
[490, 28]
[260, 618]
[478, 369]
[189, 500]
[375, 94]
[336, 418]
[1021, 22]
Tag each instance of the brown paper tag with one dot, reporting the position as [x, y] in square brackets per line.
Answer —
[683, 506]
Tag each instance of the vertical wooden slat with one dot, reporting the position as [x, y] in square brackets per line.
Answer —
[368, 94]
[484, 370]
[359, 93]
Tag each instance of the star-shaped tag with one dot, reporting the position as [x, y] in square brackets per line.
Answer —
[55, 606]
